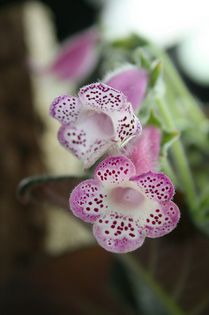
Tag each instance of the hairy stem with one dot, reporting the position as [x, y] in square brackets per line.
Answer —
[180, 158]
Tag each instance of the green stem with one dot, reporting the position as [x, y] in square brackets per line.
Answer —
[179, 156]
[138, 270]
[167, 168]
[194, 109]
[177, 84]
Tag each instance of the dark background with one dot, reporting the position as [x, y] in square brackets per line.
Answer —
[23, 228]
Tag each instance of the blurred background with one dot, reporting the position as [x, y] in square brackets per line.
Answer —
[37, 271]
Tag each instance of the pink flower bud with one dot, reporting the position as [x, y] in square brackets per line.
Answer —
[132, 81]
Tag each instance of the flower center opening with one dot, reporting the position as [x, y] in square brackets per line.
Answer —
[104, 123]
[127, 198]
[99, 124]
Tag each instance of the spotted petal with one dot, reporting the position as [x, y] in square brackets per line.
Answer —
[155, 186]
[88, 200]
[162, 219]
[88, 139]
[126, 124]
[117, 233]
[65, 109]
[132, 82]
[101, 97]
[115, 170]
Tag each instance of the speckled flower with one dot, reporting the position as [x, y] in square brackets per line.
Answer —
[93, 122]
[124, 207]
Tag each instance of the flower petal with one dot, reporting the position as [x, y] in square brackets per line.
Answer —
[126, 124]
[101, 97]
[144, 151]
[88, 200]
[155, 186]
[65, 109]
[77, 57]
[132, 82]
[162, 220]
[84, 141]
[115, 170]
[117, 233]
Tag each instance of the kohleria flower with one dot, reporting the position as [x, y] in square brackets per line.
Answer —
[93, 122]
[124, 207]
[77, 57]
[132, 81]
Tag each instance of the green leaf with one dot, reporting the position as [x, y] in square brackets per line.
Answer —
[203, 208]
[152, 299]
[168, 138]
[142, 59]
[130, 42]
[156, 74]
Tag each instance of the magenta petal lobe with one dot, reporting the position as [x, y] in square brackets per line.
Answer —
[88, 200]
[162, 220]
[117, 233]
[132, 82]
[99, 96]
[65, 109]
[155, 186]
[126, 124]
[115, 170]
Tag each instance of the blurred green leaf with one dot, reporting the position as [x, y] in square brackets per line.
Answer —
[156, 73]
[130, 42]
[204, 202]
[152, 299]
[168, 138]
[142, 59]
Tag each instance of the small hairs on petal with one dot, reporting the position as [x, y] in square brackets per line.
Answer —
[144, 150]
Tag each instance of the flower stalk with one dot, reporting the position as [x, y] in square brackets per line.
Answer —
[180, 159]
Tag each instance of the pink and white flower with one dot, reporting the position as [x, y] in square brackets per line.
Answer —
[132, 81]
[93, 122]
[124, 207]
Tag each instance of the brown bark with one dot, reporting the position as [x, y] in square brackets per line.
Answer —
[21, 228]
